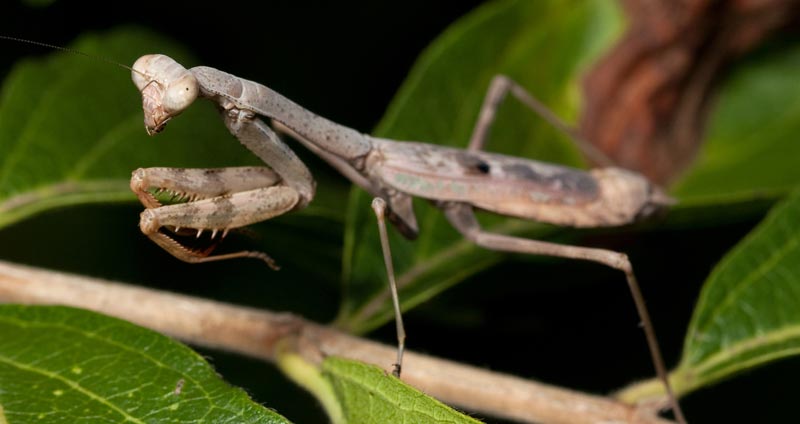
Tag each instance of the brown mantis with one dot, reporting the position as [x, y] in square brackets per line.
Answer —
[455, 180]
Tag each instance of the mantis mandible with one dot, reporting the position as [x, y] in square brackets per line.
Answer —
[457, 181]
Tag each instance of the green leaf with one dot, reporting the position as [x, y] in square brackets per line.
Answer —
[368, 394]
[73, 128]
[62, 364]
[543, 45]
[747, 313]
[751, 144]
[355, 392]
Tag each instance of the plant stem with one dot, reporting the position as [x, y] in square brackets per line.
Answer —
[257, 333]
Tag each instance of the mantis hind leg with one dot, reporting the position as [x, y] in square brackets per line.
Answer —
[462, 217]
[500, 86]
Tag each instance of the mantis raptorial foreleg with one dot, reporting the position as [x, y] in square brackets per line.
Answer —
[217, 199]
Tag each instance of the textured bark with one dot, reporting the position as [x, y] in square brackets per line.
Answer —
[647, 100]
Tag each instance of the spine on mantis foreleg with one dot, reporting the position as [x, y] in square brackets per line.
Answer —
[248, 95]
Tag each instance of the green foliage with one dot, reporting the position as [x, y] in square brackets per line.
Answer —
[747, 313]
[72, 131]
[62, 364]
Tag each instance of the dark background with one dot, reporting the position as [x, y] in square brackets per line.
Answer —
[566, 323]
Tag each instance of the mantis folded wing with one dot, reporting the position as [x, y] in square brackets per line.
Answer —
[456, 181]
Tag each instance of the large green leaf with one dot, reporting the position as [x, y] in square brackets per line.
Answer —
[543, 45]
[61, 364]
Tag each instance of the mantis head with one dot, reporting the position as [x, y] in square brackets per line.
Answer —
[167, 89]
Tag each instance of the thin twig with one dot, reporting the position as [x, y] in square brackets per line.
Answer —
[255, 333]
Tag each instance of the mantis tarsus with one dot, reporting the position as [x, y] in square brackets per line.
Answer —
[454, 180]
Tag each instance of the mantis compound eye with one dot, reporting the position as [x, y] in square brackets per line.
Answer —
[180, 93]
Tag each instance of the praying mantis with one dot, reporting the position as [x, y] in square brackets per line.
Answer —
[457, 181]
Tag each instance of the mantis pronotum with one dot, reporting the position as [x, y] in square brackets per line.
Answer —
[454, 180]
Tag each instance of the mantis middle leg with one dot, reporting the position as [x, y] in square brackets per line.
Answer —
[379, 206]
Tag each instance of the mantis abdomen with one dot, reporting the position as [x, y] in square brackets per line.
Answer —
[516, 187]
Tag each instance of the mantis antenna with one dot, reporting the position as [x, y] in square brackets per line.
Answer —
[69, 50]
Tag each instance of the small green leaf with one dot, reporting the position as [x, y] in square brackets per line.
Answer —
[543, 45]
[369, 395]
[61, 364]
